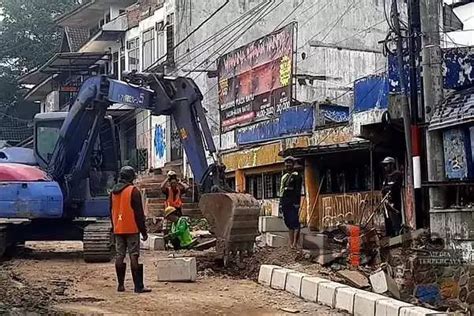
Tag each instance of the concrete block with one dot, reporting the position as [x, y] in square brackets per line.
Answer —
[345, 299]
[278, 281]
[420, 311]
[275, 240]
[364, 303]
[382, 282]
[327, 293]
[309, 288]
[314, 241]
[389, 307]
[271, 224]
[154, 242]
[177, 269]
[265, 274]
[293, 282]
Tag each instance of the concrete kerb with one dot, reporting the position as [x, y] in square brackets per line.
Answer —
[337, 295]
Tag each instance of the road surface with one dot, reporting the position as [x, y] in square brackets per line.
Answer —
[78, 287]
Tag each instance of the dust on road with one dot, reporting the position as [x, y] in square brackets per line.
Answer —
[53, 277]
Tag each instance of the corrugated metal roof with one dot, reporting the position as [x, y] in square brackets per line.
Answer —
[76, 37]
[457, 109]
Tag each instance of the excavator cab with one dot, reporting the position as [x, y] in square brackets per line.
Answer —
[105, 158]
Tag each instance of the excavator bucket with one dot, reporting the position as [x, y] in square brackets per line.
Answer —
[233, 218]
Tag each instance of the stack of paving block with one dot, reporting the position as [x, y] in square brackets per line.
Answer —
[273, 231]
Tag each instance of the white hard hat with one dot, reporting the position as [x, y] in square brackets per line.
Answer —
[171, 173]
[388, 160]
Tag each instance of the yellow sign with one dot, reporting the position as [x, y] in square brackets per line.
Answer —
[285, 71]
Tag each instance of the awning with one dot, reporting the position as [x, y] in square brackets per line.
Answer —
[73, 63]
[33, 77]
[326, 149]
[40, 91]
[457, 109]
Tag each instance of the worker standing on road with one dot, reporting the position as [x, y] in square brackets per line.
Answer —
[290, 199]
[392, 185]
[128, 221]
[180, 236]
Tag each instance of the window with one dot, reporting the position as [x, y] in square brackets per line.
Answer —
[122, 62]
[115, 65]
[133, 54]
[264, 186]
[148, 48]
[160, 40]
[47, 134]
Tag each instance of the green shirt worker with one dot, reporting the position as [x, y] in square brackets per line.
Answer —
[179, 236]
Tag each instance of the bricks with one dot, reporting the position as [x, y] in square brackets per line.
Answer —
[293, 282]
[364, 303]
[389, 307]
[271, 224]
[153, 243]
[278, 281]
[327, 293]
[345, 299]
[419, 311]
[276, 240]
[177, 269]
[310, 286]
[265, 274]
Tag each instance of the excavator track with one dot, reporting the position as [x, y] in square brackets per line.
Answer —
[98, 242]
[3, 240]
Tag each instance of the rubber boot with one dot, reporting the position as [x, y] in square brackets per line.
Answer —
[137, 276]
[120, 271]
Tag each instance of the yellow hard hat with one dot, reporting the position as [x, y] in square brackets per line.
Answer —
[169, 210]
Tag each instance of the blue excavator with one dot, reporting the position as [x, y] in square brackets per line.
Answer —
[64, 196]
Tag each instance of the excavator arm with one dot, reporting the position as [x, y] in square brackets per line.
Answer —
[177, 97]
[232, 216]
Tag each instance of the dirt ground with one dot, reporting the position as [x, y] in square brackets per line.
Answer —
[53, 278]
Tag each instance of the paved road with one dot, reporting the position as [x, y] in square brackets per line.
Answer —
[90, 288]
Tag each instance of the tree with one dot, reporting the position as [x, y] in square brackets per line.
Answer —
[29, 37]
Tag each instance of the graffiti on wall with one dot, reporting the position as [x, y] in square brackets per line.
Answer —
[455, 154]
[350, 207]
[160, 141]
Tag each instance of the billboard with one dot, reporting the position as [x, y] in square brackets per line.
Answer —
[255, 80]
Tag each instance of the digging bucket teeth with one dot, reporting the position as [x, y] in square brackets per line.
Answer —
[233, 218]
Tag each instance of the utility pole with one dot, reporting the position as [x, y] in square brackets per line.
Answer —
[414, 49]
[433, 96]
[409, 197]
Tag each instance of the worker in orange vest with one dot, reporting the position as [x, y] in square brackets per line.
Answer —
[128, 221]
[173, 189]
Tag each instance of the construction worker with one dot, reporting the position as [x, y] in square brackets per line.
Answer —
[179, 236]
[173, 189]
[290, 199]
[392, 186]
[128, 221]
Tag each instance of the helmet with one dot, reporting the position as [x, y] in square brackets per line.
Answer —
[169, 210]
[388, 160]
[127, 174]
[171, 173]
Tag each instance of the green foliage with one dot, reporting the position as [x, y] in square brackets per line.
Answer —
[29, 37]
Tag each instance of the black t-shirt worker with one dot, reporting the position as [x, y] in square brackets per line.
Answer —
[392, 185]
[290, 199]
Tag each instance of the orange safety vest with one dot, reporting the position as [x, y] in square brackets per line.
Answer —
[174, 200]
[123, 215]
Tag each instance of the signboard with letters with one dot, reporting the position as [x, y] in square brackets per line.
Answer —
[255, 80]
